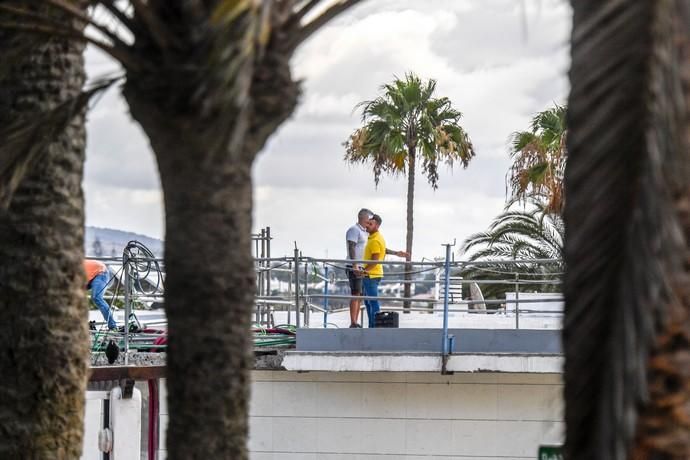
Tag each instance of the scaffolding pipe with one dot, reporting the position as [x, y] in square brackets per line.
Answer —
[128, 307]
[325, 299]
[268, 263]
[306, 293]
[297, 320]
[289, 290]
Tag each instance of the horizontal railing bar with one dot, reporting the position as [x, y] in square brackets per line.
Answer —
[458, 281]
[453, 264]
[431, 300]
[275, 302]
[502, 312]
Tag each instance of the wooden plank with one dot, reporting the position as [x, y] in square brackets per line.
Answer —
[101, 373]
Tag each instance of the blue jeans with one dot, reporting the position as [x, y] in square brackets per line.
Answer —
[97, 286]
[371, 289]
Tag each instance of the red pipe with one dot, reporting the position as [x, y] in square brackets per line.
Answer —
[153, 418]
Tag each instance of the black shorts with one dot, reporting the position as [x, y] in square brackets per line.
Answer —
[355, 281]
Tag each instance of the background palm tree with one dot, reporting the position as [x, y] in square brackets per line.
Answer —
[535, 230]
[404, 123]
[517, 235]
[209, 82]
[539, 157]
[43, 330]
[627, 316]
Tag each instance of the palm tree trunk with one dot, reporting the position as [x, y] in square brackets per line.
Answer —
[662, 430]
[209, 300]
[410, 226]
[209, 267]
[626, 328]
[43, 322]
[209, 289]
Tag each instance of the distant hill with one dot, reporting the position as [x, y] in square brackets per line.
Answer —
[112, 242]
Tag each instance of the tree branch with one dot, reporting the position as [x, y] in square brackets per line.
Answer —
[125, 58]
[308, 29]
[38, 18]
[298, 15]
[25, 139]
[125, 20]
[155, 27]
[69, 9]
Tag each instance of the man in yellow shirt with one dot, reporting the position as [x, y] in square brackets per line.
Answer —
[375, 250]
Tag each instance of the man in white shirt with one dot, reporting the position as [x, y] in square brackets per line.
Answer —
[356, 239]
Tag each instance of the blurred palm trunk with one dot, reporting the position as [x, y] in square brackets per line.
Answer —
[43, 311]
[663, 427]
[206, 180]
[626, 332]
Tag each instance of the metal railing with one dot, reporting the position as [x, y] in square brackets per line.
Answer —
[309, 285]
[299, 298]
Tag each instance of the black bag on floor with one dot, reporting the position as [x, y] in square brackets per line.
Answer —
[387, 319]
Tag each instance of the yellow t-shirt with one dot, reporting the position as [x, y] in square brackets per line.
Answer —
[375, 245]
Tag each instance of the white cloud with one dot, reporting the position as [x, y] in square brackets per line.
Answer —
[118, 153]
[317, 218]
[136, 210]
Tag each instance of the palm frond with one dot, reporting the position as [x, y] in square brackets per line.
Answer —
[426, 125]
[532, 233]
[307, 30]
[539, 157]
[26, 139]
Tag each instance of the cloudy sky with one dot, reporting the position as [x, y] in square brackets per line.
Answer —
[499, 61]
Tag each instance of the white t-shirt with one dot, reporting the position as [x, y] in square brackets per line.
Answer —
[359, 236]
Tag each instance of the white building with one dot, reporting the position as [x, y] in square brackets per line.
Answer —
[349, 402]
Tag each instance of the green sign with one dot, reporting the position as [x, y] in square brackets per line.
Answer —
[550, 453]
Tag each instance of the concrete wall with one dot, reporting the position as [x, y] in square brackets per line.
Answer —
[125, 422]
[396, 415]
[390, 415]
[93, 422]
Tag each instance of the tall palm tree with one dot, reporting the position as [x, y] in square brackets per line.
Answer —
[539, 157]
[626, 333]
[209, 81]
[517, 235]
[404, 123]
[43, 333]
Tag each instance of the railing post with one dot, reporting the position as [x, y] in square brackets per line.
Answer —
[262, 263]
[297, 319]
[260, 275]
[289, 312]
[517, 301]
[306, 293]
[128, 306]
[437, 288]
[325, 299]
[268, 262]
[446, 285]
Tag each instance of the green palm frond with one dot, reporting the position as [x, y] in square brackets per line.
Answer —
[25, 140]
[407, 118]
[517, 235]
[539, 157]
